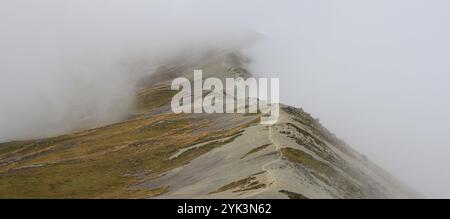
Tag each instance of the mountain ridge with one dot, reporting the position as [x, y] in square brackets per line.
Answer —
[157, 154]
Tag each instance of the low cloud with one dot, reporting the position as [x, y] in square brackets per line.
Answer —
[374, 72]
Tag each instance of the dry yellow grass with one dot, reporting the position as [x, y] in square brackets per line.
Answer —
[105, 162]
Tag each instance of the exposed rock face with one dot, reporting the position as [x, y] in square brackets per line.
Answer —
[158, 154]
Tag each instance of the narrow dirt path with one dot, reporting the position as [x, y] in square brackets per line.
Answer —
[272, 180]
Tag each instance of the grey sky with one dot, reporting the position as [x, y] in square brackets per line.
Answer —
[376, 72]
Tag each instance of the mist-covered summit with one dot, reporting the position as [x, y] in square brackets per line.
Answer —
[154, 153]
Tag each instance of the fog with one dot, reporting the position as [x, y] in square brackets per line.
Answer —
[69, 65]
[374, 72]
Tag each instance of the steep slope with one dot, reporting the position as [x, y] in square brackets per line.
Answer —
[157, 154]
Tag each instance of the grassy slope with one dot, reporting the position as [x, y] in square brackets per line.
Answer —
[107, 161]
